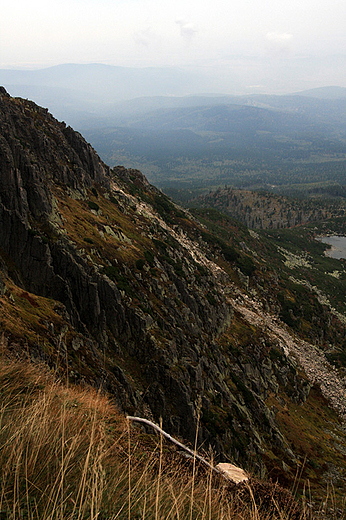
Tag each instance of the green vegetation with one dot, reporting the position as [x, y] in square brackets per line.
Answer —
[148, 255]
[287, 267]
[114, 273]
[193, 335]
[140, 263]
[298, 304]
[302, 423]
[187, 151]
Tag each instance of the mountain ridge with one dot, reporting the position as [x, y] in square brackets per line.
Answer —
[328, 92]
[106, 279]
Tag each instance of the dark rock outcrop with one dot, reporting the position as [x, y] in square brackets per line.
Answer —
[148, 328]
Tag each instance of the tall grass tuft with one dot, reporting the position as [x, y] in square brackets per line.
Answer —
[66, 453]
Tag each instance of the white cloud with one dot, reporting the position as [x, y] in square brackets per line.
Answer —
[143, 37]
[281, 38]
[279, 43]
[187, 30]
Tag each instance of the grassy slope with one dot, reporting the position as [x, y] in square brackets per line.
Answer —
[26, 318]
[67, 453]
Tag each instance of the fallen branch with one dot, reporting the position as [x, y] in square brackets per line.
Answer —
[228, 471]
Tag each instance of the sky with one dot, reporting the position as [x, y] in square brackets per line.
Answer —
[251, 39]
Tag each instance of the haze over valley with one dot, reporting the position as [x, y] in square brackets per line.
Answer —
[188, 144]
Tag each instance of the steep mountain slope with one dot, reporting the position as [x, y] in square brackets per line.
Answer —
[109, 283]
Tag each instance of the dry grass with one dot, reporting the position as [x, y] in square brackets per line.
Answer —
[80, 224]
[66, 453]
[23, 316]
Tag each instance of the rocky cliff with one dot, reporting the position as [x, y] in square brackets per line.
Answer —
[269, 211]
[111, 284]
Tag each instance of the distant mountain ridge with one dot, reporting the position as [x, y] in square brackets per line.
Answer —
[247, 141]
[105, 83]
[91, 94]
[332, 92]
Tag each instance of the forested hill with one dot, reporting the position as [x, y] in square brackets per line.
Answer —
[264, 210]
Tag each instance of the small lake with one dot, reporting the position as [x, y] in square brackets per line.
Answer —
[338, 249]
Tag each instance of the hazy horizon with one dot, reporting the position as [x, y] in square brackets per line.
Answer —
[236, 80]
[246, 47]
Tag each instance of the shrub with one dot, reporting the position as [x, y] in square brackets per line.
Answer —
[246, 265]
[140, 263]
[149, 257]
[93, 205]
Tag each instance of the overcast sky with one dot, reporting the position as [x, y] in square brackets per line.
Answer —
[249, 37]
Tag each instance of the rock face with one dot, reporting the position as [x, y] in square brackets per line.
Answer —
[39, 154]
[265, 211]
[140, 302]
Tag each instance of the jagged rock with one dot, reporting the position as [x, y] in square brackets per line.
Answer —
[147, 313]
